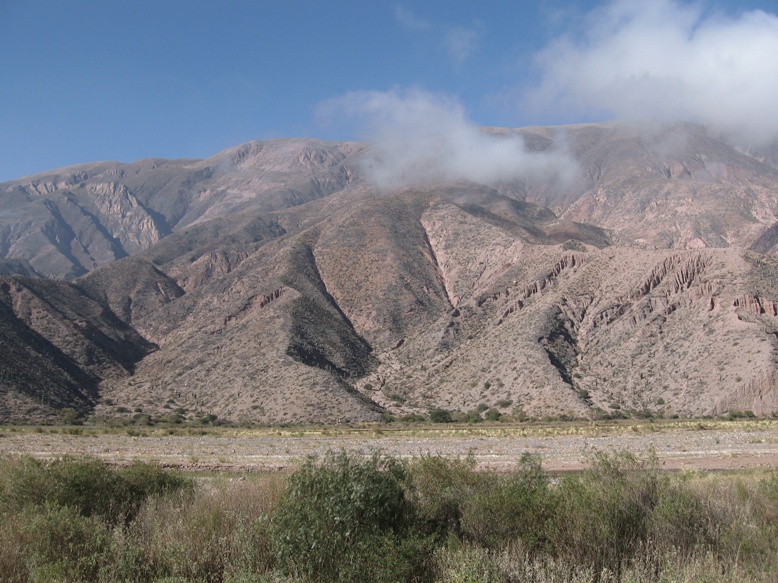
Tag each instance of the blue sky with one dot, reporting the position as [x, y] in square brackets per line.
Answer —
[107, 80]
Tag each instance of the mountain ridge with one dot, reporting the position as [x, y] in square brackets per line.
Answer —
[273, 283]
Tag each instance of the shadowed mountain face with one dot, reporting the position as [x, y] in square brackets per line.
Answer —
[57, 345]
[272, 283]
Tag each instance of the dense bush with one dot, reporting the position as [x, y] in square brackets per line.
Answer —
[483, 508]
[440, 416]
[347, 518]
[604, 514]
[85, 485]
[140, 482]
[57, 518]
[52, 543]
[508, 508]
[681, 521]
[439, 489]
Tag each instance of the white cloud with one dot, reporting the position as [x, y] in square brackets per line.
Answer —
[421, 138]
[666, 61]
[409, 20]
[461, 42]
[458, 42]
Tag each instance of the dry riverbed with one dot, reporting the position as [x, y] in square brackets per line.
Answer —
[678, 445]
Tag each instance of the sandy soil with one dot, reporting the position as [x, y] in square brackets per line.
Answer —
[679, 446]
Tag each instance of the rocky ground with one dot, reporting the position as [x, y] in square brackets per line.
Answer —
[680, 445]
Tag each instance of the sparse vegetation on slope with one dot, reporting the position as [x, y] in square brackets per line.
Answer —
[273, 284]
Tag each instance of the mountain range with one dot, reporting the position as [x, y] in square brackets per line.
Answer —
[274, 283]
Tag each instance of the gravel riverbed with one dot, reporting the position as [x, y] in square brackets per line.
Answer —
[720, 446]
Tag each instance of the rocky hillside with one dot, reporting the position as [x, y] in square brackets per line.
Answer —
[68, 222]
[272, 283]
[678, 187]
[58, 344]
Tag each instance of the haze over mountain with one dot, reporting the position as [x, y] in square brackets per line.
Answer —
[609, 267]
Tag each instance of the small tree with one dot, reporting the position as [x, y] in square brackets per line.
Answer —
[440, 416]
[493, 415]
[70, 416]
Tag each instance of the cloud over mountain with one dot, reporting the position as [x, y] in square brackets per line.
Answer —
[420, 137]
[667, 61]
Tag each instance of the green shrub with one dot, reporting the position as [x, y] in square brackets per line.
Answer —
[440, 416]
[142, 419]
[140, 481]
[604, 514]
[175, 418]
[387, 558]
[519, 414]
[209, 419]
[492, 415]
[679, 522]
[70, 416]
[502, 509]
[439, 489]
[53, 543]
[473, 417]
[346, 518]
[413, 418]
[87, 486]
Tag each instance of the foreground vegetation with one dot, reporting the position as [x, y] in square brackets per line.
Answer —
[373, 518]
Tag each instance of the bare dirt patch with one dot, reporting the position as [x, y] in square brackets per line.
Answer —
[686, 445]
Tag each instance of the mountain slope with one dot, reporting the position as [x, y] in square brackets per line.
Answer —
[677, 187]
[288, 333]
[57, 345]
[271, 283]
[67, 222]
[587, 333]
